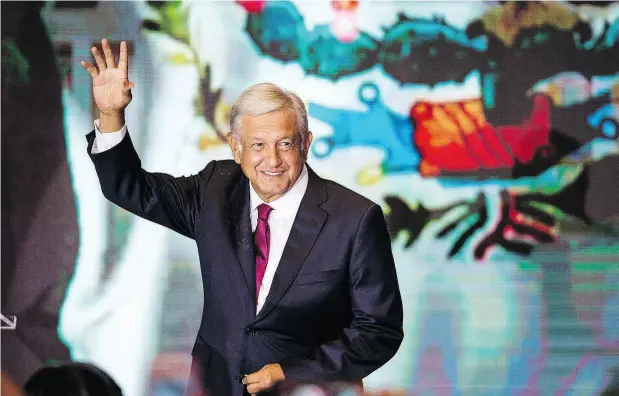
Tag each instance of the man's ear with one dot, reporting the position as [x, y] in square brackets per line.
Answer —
[234, 144]
[307, 143]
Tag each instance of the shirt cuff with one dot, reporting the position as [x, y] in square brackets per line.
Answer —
[105, 141]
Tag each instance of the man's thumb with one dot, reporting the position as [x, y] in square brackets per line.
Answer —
[128, 85]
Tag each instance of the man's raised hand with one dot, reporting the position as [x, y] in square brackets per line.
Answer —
[111, 87]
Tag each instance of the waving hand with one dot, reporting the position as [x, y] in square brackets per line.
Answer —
[110, 82]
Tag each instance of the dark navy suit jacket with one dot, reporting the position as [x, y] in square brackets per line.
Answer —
[334, 310]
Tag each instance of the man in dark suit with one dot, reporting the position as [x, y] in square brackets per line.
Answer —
[298, 275]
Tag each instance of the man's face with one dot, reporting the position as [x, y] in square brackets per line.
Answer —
[270, 152]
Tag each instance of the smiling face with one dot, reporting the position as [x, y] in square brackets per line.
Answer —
[270, 152]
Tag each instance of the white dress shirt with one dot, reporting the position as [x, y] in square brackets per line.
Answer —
[105, 141]
[281, 217]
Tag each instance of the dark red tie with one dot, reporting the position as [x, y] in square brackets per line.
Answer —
[262, 238]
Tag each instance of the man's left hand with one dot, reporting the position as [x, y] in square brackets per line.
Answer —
[264, 379]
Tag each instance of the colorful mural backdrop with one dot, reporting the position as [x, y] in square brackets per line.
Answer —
[487, 131]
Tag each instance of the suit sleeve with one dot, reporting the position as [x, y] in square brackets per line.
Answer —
[173, 202]
[375, 333]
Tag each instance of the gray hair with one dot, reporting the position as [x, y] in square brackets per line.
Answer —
[263, 98]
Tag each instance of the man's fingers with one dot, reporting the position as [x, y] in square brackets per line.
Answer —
[264, 379]
[98, 58]
[109, 56]
[123, 62]
[128, 85]
[90, 69]
[252, 378]
[255, 388]
[253, 382]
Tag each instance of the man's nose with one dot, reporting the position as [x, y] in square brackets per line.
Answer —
[273, 158]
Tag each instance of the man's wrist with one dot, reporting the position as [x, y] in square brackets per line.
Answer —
[111, 121]
[281, 376]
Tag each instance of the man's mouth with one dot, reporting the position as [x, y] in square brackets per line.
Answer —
[272, 174]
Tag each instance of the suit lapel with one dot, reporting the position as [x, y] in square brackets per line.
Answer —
[243, 238]
[305, 229]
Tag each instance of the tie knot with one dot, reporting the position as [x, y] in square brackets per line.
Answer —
[263, 211]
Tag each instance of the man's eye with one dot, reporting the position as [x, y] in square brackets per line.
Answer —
[256, 145]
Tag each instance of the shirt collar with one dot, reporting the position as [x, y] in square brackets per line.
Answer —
[287, 204]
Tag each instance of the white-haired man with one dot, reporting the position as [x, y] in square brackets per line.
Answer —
[298, 274]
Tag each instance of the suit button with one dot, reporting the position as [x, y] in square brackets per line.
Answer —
[239, 379]
[250, 331]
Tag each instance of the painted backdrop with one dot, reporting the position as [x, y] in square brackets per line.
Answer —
[488, 132]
